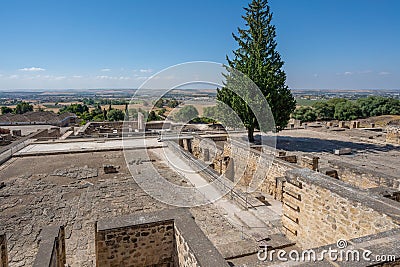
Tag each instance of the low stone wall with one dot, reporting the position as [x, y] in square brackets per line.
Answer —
[3, 251]
[51, 248]
[183, 254]
[393, 134]
[136, 245]
[319, 210]
[46, 134]
[362, 177]
[249, 166]
[164, 238]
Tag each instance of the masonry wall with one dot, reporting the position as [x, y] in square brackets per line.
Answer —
[393, 134]
[183, 255]
[51, 247]
[268, 177]
[150, 244]
[3, 251]
[166, 238]
[318, 210]
[362, 177]
[250, 168]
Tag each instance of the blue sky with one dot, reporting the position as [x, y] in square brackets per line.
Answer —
[332, 44]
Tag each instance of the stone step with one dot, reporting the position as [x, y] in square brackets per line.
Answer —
[237, 249]
[249, 220]
[278, 241]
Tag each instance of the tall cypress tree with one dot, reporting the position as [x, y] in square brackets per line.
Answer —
[257, 58]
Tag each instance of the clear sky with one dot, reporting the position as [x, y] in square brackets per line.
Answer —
[332, 44]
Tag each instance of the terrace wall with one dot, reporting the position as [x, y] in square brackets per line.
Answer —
[362, 177]
[250, 166]
[319, 210]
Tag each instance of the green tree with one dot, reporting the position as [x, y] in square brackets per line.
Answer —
[305, 114]
[187, 113]
[152, 116]
[78, 109]
[115, 115]
[5, 110]
[346, 111]
[161, 112]
[210, 112]
[259, 60]
[324, 110]
[159, 103]
[173, 103]
[22, 108]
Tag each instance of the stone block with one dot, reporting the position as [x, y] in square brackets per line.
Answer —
[16, 133]
[291, 159]
[310, 162]
[110, 169]
[342, 151]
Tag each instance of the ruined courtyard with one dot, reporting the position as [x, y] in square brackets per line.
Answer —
[308, 198]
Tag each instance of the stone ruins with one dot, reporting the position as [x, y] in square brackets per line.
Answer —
[76, 201]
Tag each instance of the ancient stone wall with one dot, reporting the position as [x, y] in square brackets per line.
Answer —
[47, 134]
[393, 134]
[183, 254]
[3, 251]
[255, 168]
[137, 245]
[250, 166]
[362, 177]
[168, 238]
[319, 210]
[51, 248]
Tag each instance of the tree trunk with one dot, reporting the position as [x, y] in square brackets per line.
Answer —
[250, 134]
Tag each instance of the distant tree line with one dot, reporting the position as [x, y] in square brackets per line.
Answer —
[345, 110]
[162, 102]
[21, 108]
[103, 101]
[96, 114]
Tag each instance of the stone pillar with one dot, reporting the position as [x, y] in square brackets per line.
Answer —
[310, 162]
[140, 121]
[230, 170]
[206, 154]
[280, 184]
[3, 251]
[372, 125]
[342, 124]
[189, 145]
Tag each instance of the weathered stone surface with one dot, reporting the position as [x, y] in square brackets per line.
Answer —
[328, 210]
[77, 172]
